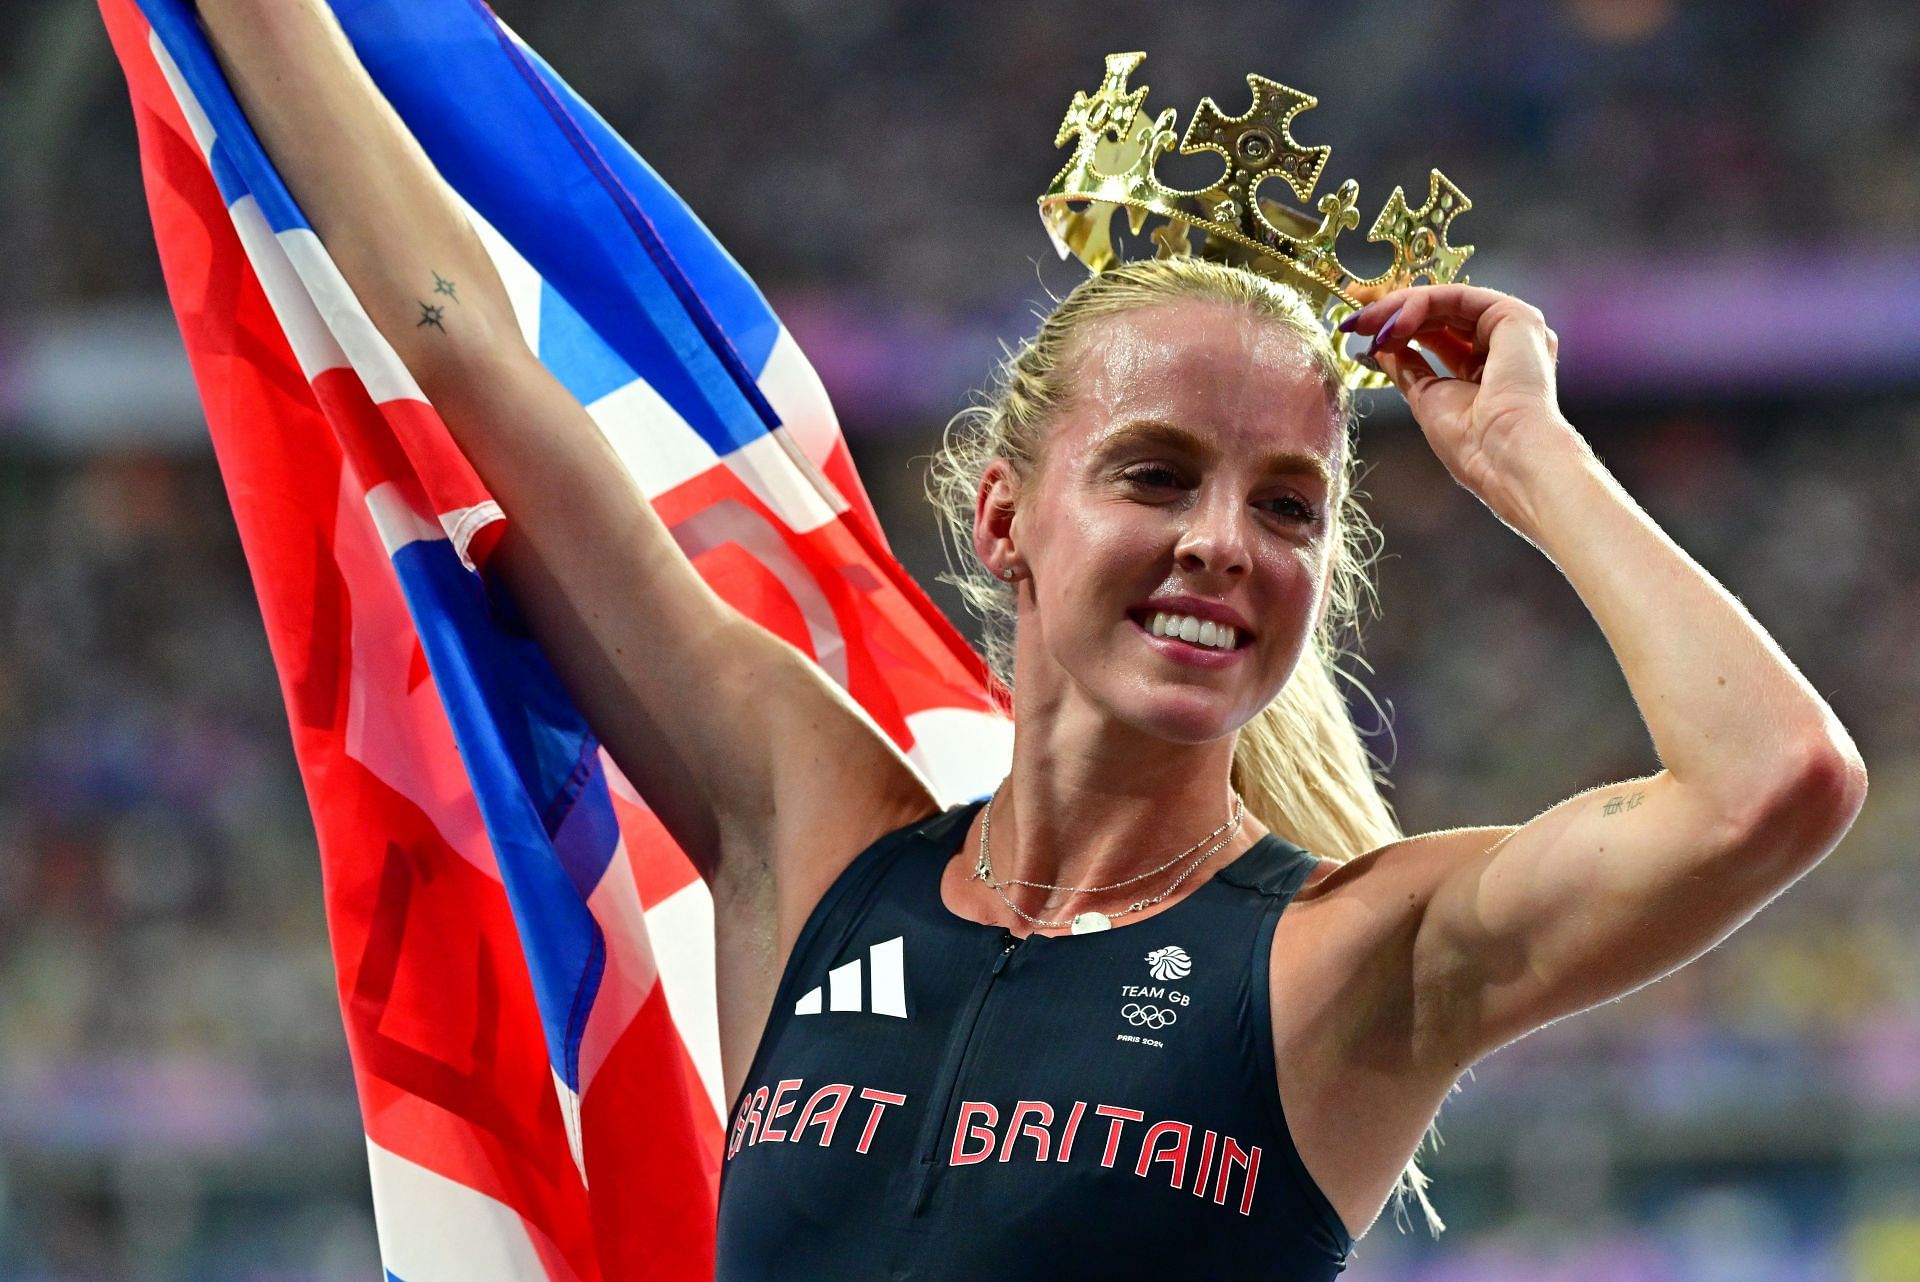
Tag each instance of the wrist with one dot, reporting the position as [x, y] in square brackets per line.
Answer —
[1557, 467]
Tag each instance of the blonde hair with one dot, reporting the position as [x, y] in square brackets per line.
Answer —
[1300, 762]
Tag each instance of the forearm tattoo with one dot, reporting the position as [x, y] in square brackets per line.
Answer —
[435, 314]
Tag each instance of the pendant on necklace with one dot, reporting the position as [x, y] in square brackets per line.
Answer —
[1089, 923]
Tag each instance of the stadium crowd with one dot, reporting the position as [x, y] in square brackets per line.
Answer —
[164, 978]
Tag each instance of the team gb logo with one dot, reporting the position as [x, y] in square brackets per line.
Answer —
[1170, 962]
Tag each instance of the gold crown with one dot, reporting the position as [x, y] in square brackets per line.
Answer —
[1112, 168]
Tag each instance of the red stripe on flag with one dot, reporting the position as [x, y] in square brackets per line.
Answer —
[648, 1174]
[440, 1014]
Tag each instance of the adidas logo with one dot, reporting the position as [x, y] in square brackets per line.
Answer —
[886, 993]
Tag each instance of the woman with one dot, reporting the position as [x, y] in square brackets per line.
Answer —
[1047, 1033]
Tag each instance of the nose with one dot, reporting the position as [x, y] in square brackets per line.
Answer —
[1215, 537]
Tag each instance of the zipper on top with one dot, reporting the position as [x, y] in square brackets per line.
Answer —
[946, 1086]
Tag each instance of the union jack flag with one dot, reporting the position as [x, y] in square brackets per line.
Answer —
[524, 959]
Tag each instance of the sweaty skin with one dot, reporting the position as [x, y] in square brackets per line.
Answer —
[1193, 458]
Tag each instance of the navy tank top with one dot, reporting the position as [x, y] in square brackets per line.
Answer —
[935, 1098]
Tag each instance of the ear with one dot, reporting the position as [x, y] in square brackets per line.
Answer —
[993, 512]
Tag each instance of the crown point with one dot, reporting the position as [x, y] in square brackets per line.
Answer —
[1116, 148]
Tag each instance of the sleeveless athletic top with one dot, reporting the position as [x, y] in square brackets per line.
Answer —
[935, 1098]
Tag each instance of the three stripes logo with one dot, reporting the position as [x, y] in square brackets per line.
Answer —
[885, 992]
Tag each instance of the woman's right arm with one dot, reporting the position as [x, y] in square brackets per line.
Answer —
[758, 765]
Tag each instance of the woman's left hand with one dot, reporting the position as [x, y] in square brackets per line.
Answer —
[1496, 409]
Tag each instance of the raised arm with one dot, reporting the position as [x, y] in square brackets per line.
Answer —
[1514, 927]
[764, 771]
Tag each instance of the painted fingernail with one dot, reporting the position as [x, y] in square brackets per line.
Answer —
[1386, 331]
[1346, 326]
[1366, 359]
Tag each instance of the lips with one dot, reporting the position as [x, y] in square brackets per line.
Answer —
[1187, 653]
[1194, 631]
[1191, 619]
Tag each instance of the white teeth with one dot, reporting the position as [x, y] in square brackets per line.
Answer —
[1218, 636]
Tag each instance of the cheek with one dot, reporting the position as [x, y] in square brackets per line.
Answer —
[1086, 545]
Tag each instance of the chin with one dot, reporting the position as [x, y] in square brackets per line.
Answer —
[1190, 716]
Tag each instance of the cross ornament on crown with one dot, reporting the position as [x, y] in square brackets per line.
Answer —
[1117, 145]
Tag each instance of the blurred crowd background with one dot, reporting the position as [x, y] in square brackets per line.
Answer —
[1716, 204]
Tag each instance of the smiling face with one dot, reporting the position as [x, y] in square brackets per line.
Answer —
[1190, 473]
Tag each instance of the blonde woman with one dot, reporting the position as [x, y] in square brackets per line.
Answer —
[1116, 1021]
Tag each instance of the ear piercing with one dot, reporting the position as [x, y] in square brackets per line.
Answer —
[1007, 573]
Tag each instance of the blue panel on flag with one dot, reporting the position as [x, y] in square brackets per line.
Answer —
[578, 357]
[225, 176]
[532, 761]
[587, 213]
[729, 293]
[250, 171]
[589, 833]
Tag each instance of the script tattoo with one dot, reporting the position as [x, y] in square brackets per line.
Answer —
[1619, 805]
[430, 315]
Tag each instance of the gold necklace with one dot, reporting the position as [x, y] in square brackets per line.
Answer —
[1087, 923]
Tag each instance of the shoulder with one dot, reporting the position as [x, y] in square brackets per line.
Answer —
[1382, 879]
[1347, 941]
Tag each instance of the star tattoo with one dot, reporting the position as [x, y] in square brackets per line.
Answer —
[430, 315]
[441, 285]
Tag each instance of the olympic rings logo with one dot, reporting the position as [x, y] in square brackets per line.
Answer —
[1149, 1016]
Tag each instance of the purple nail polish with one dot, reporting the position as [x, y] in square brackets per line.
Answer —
[1386, 330]
[1366, 359]
[1346, 326]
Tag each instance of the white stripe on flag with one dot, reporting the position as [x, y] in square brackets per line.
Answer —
[396, 520]
[434, 1230]
[570, 1118]
[681, 928]
[732, 522]
[654, 443]
[522, 282]
[783, 478]
[463, 523]
[368, 351]
[963, 752]
[313, 345]
[793, 387]
[630, 972]
[660, 451]
[189, 105]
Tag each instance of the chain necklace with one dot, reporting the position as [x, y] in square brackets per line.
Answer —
[1088, 922]
[983, 869]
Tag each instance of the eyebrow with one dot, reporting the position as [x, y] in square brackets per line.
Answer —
[1286, 462]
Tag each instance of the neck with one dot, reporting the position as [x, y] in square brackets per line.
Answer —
[1089, 802]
